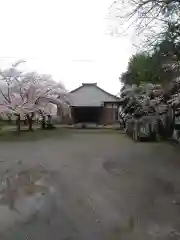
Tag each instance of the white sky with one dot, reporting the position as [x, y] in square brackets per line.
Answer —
[65, 38]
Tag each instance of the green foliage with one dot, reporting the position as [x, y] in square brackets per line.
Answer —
[143, 68]
[161, 66]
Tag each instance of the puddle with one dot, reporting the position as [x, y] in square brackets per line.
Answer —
[24, 192]
[114, 168]
[160, 231]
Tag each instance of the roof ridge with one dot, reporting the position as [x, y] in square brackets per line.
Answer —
[84, 84]
[95, 85]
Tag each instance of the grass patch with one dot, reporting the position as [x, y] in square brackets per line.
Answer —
[93, 131]
[37, 134]
[10, 134]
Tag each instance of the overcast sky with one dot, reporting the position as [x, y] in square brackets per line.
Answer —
[66, 38]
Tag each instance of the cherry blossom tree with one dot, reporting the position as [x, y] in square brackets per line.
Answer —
[43, 94]
[26, 94]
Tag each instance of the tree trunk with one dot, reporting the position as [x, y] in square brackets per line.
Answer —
[18, 123]
[43, 122]
[49, 119]
[49, 124]
[123, 122]
[30, 121]
[25, 121]
[9, 119]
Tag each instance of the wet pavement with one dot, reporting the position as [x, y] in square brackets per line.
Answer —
[89, 185]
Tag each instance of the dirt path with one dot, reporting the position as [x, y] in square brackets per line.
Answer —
[106, 187]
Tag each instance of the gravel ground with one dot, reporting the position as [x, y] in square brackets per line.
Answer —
[106, 188]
